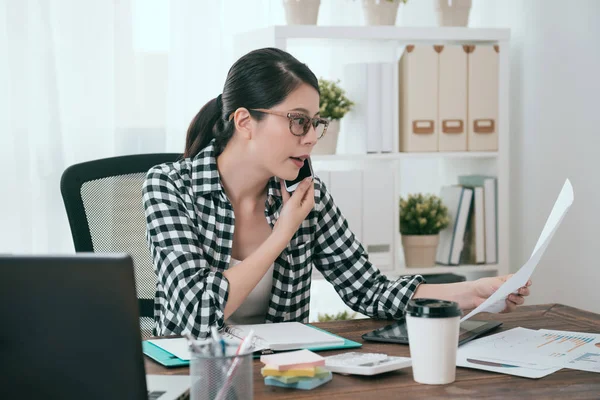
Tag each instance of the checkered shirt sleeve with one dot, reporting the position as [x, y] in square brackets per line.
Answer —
[343, 261]
[196, 294]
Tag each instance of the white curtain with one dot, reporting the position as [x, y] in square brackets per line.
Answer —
[78, 82]
[88, 79]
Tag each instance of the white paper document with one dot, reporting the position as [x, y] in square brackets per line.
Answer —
[532, 353]
[497, 301]
[502, 353]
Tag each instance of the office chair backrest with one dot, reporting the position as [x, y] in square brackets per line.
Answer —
[70, 328]
[103, 200]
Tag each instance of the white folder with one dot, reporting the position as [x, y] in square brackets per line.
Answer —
[378, 216]
[387, 107]
[346, 190]
[452, 109]
[483, 98]
[354, 125]
[374, 134]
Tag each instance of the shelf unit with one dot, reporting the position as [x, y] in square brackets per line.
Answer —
[388, 39]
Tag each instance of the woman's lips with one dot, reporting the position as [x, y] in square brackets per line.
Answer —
[299, 163]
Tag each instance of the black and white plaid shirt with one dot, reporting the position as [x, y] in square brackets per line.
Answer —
[190, 225]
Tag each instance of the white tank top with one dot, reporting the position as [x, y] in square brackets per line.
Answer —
[254, 309]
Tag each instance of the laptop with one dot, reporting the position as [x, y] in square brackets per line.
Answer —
[69, 329]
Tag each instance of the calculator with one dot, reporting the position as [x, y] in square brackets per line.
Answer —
[365, 363]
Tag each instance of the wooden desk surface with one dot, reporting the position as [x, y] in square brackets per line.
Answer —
[470, 383]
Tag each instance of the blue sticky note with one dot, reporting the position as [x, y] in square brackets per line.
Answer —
[304, 384]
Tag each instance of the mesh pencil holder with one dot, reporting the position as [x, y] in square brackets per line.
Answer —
[219, 377]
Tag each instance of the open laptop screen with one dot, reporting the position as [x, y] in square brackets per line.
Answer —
[70, 328]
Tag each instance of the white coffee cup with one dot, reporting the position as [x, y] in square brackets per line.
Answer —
[433, 327]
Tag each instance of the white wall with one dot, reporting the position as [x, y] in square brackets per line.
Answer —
[555, 129]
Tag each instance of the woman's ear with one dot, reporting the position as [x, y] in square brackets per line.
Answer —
[244, 124]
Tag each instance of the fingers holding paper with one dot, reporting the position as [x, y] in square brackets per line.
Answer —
[517, 299]
[486, 287]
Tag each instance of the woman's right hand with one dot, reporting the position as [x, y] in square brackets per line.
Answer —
[295, 208]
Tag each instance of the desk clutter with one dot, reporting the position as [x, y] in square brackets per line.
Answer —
[300, 369]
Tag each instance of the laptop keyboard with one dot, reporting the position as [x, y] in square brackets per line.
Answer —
[154, 395]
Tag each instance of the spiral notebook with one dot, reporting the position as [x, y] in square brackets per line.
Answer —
[284, 336]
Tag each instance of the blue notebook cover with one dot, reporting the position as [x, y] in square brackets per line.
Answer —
[170, 361]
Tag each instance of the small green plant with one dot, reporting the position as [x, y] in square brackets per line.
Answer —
[333, 103]
[341, 316]
[422, 215]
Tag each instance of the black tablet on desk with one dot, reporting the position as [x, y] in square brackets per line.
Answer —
[397, 333]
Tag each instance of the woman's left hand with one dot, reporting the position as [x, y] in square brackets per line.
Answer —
[485, 287]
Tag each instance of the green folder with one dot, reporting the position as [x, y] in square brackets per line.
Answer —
[168, 360]
[162, 357]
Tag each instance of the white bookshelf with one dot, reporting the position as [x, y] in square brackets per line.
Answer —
[381, 43]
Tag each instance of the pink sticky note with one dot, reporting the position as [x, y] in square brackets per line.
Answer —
[293, 360]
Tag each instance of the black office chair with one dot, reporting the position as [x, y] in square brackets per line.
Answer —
[103, 200]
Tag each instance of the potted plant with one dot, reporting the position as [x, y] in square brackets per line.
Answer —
[381, 12]
[333, 105]
[301, 12]
[453, 12]
[422, 217]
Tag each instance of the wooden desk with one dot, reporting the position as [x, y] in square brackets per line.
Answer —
[470, 383]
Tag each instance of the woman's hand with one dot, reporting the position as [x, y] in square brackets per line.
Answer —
[295, 208]
[485, 287]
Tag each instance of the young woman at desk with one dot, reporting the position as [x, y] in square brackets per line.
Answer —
[254, 265]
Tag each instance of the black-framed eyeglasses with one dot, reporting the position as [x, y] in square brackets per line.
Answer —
[300, 123]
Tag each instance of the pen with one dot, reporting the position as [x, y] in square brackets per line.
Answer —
[192, 343]
[242, 349]
[218, 340]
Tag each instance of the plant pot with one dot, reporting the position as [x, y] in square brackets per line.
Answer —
[420, 250]
[301, 12]
[380, 12]
[453, 12]
[328, 143]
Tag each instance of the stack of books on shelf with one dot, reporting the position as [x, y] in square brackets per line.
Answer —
[472, 235]
[300, 369]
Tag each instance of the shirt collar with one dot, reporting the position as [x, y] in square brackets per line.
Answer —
[206, 178]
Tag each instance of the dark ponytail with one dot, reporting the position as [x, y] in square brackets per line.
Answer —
[262, 78]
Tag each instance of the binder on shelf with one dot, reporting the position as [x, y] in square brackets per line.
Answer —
[374, 135]
[474, 250]
[490, 199]
[378, 212]
[418, 80]
[388, 102]
[452, 95]
[482, 129]
[347, 192]
[458, 200]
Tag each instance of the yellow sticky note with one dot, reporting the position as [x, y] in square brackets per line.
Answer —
[269, 370]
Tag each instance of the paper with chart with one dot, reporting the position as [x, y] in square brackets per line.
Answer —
[496, 302]
[496, 353]
[588, 344]
[537, 350]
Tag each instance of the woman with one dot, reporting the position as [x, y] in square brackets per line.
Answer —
[254, 265]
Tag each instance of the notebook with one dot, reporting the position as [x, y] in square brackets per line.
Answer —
[284, 336]
[174, 352]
